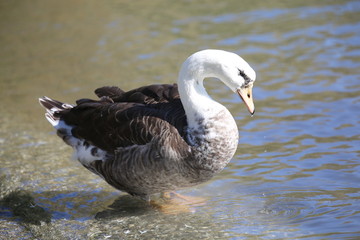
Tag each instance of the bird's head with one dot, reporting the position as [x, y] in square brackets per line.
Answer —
[237, 74]
[229, 67]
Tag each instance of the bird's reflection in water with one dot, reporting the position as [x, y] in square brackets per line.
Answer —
[132, 217]
[172, 203]
[124, 206]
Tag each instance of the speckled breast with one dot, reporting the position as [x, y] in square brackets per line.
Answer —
[214, 141]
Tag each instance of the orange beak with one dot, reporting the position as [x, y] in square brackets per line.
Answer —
[246, 96]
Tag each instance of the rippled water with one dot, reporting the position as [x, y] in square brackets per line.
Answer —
[296, 173]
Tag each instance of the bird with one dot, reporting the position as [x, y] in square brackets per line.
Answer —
[157, 138]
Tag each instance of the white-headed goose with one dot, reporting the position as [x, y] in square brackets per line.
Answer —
[161, 137]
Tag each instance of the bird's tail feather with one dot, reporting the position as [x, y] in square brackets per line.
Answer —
[53, 108]
[84, 151]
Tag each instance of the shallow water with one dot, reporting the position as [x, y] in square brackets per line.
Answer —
[296, 173]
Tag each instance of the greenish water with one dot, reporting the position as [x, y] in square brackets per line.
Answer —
[296, 173]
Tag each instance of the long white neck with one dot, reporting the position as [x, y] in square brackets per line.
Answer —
[212, 131]
[197, 103]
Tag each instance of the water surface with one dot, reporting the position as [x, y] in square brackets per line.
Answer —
[296, 172]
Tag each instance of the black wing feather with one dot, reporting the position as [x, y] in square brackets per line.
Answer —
[108, 91]
[119, 118]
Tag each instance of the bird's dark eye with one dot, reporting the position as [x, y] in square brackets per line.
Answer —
[244, 76]
[241, 73]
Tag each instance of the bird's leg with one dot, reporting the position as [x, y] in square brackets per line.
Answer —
[174, 203]
[194, 201]
[166, 195]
